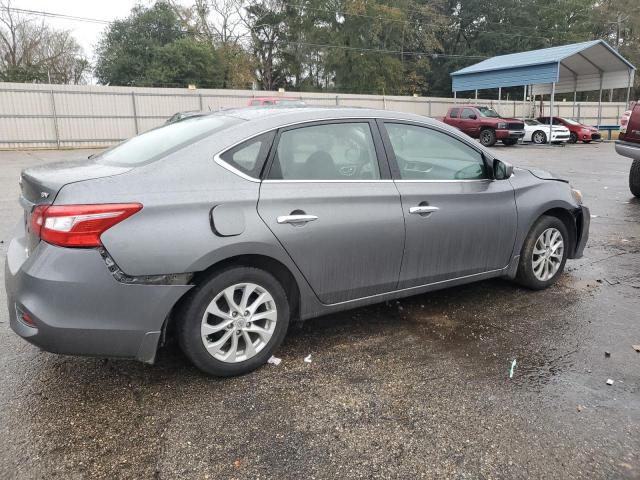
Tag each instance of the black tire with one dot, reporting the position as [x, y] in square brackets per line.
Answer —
[525, 275]
[573, 137]
[190, 320]
[488, 137]
[539, 137]
[634, 178]
[509, 142]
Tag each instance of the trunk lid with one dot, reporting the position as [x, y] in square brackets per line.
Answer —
[40, 185]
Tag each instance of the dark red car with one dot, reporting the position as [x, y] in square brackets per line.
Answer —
[579, 131]
[628, 145]
[264, 101]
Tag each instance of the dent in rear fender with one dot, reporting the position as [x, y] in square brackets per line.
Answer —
[534, 197]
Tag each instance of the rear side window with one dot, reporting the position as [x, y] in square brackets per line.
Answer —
[425, 154]
[341, 151]
[249, 157]
[160, 142]
[467, 113]
[454, 112]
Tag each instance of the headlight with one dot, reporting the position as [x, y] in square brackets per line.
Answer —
[502, 126]
[577, 195]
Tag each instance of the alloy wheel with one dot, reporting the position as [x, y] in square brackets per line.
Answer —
[239, 322]
[548, 253]
[539, 137]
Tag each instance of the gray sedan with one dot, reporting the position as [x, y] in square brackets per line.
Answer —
[222, 229]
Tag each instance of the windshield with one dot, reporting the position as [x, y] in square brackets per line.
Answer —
[159, 142]
[531, 121]
[488, 112]
[571, 122]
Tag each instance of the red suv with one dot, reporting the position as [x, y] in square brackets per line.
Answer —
[579, 131]
[628, 145]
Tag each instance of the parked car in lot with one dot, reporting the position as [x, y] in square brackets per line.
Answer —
[485, 124]
[628, 145]
[578, 131]
[225, 228]
[282, 101]
[176, 117]
[538, 133]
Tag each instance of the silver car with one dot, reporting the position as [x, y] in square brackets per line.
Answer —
[223, 229]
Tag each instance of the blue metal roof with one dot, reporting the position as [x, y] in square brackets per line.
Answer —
[524, 68]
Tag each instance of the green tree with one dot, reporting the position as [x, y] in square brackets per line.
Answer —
[151, 48]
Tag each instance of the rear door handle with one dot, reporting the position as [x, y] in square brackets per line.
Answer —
[422, 209]
[296, 219]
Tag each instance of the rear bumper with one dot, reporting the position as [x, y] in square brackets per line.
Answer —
[79, 308]
[628, 149]
[516, 134]
[583, 220]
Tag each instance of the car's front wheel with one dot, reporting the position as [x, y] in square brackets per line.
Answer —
[488, 137]
[233, 321]
[543, 254]
[539, 137]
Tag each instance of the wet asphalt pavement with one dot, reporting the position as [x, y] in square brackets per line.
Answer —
[411, 389]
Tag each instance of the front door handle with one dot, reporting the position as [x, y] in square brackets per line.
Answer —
[423, 209]
[296, 219]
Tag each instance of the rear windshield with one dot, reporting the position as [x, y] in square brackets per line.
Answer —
[159, 142]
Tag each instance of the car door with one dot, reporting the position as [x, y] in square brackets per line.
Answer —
[329, 199]
[469, 122]
[458, 221]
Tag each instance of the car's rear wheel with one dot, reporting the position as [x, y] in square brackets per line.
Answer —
[539, 137]
[233, 321]
[509, 142]
[634, 178]
[573, 137]
[488, 137]
[543, 254]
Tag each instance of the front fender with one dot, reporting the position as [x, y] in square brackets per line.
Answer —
[534, 197]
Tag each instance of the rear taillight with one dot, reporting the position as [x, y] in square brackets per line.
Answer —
[78, 225]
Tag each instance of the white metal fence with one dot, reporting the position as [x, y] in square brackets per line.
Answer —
[69, 116]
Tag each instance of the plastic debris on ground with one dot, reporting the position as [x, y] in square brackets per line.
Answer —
[274, 360]
[307, 359]
[609, 381]
[512, 368]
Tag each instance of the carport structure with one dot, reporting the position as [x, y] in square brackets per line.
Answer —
[578, 67]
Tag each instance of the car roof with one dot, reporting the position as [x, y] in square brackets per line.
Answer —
[277, 116]
[264, 119]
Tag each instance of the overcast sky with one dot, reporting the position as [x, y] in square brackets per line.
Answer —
[86, 33]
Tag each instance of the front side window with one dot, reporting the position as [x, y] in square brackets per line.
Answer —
[159, 142]
[467, 113]
[249, 156]
[454, 112]
[341, 151]
[425, 154]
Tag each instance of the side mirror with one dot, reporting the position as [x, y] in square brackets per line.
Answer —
[502, 170]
